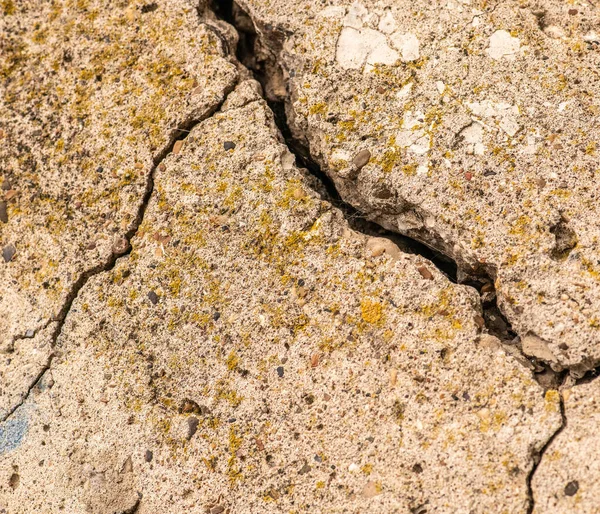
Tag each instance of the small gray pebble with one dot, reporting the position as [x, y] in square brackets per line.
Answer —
[361, 159]
[571, 488]
[192, 427]
[8, 252]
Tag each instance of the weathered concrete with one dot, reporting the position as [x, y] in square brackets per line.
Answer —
[253, 353]
[568, 477]
[481, 122]
[91, 94]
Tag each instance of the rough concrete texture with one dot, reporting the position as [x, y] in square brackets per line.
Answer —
[480, 120]
[254, 354]
[567, 480]
[91, 94]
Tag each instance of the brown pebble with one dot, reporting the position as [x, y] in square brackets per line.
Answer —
[304, 469]
[217, 509]
[3, 213]
[479, 321]
[314, 360]
[573, 12]
[177, 146]
[120, 245]
[148, 456]
[488, 287]
[14, 480]
[8, 252]
[6, 185]
[190, 407]
[425, 273]
[361, 159]
[10, 194]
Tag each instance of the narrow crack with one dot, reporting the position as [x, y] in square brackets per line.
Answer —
[123, 248]
[538, 456]
[261, 58]
[34, 383]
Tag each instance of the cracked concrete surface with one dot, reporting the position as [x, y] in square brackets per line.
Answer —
[231, 344]
[567, 478]
[91, 98]
[480, 120]
[270, 358]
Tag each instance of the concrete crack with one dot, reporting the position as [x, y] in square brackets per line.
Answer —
[34, 383]
[261, 57]
[124, 248]
[135, 507]
[538, 455]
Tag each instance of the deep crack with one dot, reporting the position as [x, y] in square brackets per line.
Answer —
[261, 58]
[494, 321]
[263, 70]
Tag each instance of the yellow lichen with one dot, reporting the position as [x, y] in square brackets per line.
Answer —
[371, 311]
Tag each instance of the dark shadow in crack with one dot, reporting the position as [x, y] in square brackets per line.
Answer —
[590, 376]
[264, 69]
[355, 218]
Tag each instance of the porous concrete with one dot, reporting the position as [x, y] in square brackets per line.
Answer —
[191, 325]
[567, 479]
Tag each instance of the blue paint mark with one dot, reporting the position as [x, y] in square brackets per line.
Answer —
[13, 431]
